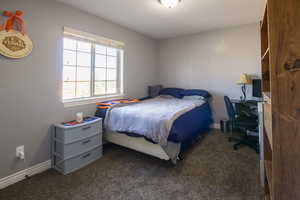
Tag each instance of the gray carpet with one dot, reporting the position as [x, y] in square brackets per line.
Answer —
[211, 170]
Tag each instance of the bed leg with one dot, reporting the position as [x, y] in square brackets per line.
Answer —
[180, 157]
[174, 161]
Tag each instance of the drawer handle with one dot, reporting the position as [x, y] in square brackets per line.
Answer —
[86, 142]
[86, 128]
[86, 156]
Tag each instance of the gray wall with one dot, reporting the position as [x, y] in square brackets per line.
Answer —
[30, 88]
[211, 60]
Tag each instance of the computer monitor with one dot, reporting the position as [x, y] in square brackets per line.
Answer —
[256, 88]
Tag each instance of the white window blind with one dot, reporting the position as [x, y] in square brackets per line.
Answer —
[92, 66]
[93, 38]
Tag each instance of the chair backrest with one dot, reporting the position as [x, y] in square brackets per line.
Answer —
[229, 108]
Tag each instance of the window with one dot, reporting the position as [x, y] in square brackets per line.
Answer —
[90, 69]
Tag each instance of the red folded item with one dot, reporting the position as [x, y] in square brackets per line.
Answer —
[109, 104]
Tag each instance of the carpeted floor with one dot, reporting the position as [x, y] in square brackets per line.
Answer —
[211, 170]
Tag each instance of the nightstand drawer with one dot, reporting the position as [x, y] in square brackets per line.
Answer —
[71, 135]
[69, 150]
[72, 164]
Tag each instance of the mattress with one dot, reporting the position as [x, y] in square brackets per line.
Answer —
[186, 127]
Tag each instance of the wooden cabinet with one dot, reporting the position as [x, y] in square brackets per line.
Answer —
[268, 121]
[280, 44]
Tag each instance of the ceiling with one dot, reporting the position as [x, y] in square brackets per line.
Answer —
[150, 18]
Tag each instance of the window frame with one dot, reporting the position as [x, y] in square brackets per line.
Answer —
[93, 98]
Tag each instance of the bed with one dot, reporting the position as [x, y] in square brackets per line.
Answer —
[162, 126]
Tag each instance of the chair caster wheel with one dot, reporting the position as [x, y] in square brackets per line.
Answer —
[235, 148]
[229, 139]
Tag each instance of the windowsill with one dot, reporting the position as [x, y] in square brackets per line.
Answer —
[91, 100]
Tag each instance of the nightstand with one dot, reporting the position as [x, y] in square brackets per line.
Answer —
[76, 145]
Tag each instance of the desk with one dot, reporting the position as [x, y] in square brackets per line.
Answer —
[247, 101]
[248, 106]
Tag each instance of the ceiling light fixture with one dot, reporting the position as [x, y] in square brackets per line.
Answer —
[170, 3]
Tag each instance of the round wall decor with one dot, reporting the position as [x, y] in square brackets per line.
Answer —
[14, 44]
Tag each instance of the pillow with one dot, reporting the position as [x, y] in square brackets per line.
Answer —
[166, 96]
[175, 92]
[153, 90]
[196, 92]
[194, 97]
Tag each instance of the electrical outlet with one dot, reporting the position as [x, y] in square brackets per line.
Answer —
[20, 153]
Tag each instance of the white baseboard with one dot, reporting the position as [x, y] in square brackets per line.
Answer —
[216, 126]
[21, 175]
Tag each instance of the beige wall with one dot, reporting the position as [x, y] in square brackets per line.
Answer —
[211, 60]
[30, 88]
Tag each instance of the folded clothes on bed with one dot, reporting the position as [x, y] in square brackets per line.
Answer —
[110, 103]
[104, 106]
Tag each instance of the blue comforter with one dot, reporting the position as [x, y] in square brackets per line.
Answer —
[191, 125]
[152, 118]
[186, 127]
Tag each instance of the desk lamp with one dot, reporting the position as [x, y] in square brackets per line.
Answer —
[244, 81]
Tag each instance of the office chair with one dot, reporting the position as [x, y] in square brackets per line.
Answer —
[242, 122]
